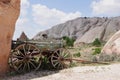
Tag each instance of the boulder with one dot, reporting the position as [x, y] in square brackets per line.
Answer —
[113, 45]
[9, 12]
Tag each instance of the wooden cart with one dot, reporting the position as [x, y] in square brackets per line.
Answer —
[28, 55]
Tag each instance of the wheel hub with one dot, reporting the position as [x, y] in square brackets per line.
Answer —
[26, 58]
[61, 58]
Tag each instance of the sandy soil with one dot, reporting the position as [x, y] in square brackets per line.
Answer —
[106, 72]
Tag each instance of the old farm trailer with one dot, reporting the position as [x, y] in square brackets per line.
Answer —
[28, 55]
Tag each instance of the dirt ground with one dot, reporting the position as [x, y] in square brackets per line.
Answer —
[98, 72]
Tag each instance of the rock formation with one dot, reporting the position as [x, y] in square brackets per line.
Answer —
[9, 12]
[84, 29]
[113, 45]
[23, 37]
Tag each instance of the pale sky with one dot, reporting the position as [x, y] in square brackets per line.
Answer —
[39, 15]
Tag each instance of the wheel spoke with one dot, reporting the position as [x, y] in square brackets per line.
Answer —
[14, 60]
[55, 60]
[23, 48]
[66, 55]
[19, 66]
[24, 66]
[60, 65]
[18, 51]
[32, 60]
[28, 66]
[29, 48]
[15, 56]
[61, 52]
[33, 64]
[58, 54]
[34, 50]
[55, 57]
[56, 63]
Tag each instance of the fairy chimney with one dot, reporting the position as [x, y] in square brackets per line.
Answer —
[23, 37]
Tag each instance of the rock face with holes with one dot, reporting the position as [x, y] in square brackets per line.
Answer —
[113, 45]
[9, 12]
[84, 29]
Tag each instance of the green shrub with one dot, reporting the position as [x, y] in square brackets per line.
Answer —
[96, 51]
[96, 42]
[69, 41]
[77, 54]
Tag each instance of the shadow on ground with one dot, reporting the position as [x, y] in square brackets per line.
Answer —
[45, 70]
[30, 75]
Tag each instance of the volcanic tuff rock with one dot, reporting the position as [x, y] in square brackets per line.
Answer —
[23, 37]
[9, 13]
[113, 45]
[84, 29]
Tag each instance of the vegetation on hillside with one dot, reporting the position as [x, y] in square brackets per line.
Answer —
[96, 51]
[69, 41]
[96, 42]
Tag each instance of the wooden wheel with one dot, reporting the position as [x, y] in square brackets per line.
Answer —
[61, 58]
[26, 57]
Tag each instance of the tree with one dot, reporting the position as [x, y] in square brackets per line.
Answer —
[9, 13]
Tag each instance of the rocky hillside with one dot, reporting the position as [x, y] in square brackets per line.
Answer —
[84, 29]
